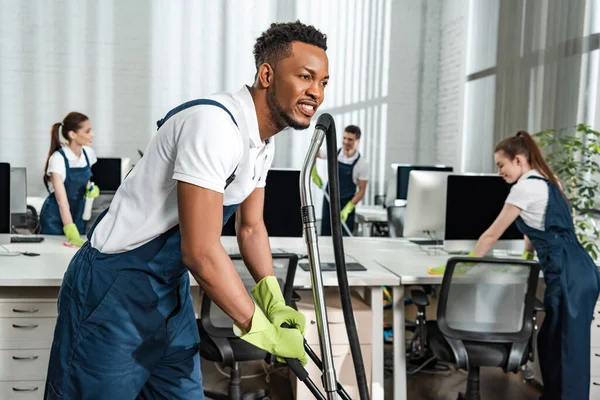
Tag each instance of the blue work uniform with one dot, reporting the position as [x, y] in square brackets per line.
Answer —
[126, 326]
[572, 287]
[75, 185]
[347, 192]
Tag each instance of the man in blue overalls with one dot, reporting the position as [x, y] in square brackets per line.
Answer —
[126, 326]
[353, 172]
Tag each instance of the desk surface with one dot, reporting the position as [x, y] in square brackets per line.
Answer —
[48, 268]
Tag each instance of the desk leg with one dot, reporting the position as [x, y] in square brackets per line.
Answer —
[377, 357]
[399, 344]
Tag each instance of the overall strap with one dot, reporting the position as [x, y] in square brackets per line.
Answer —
[192, 103]
[62, 153]
[200, 102]
[355, 161]
[87, 160]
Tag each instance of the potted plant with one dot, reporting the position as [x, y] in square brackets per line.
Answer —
[574, 159]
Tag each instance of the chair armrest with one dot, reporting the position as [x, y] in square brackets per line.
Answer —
[538, 306]
[419, 298]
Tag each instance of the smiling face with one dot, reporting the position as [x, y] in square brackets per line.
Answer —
[511, 170]
[298, 86]
[84, 135]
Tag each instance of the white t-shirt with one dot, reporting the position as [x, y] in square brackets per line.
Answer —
[200, 145]
[361, 169]
[531, 196]
[56, 162]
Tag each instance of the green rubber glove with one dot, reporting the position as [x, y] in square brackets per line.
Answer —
[269, 298]
[281, 342]
[92, 192]
[528, 255]
[459, 269]
[72, 235]
[347, 210]
[315, 177]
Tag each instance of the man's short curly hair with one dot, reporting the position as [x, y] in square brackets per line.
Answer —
[275, 43]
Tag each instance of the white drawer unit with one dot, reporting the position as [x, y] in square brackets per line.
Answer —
[24, 365]
[26, 333]
[22, 390]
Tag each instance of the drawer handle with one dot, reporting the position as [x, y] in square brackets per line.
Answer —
[25, 358]
[597, 355]
[29, 389]
[30, 326]
[595, 383]
[29, 311]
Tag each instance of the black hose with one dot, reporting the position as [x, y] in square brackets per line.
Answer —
[328, 125]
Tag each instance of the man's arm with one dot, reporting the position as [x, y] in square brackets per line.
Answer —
[200, 220]
[252, 236]
[362, 188]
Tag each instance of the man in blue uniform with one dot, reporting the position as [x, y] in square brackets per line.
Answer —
[126, 326]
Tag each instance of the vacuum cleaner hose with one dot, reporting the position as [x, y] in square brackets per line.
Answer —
[327, 123]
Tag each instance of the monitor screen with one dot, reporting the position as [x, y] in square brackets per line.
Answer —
[18, 190]
[403, 174]
[107, 174]
[282, 205]
[4, 198]
[472, 204]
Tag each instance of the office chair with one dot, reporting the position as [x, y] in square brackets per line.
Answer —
[220, 344]
[486, 316]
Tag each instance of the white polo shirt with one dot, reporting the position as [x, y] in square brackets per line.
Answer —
[56, 162]
[531, 197]
[200, 145]
[361, 169]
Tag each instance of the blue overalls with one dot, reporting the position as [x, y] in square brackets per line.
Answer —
[126, 326]
[347, 192]
[572, 287]
[75, 185]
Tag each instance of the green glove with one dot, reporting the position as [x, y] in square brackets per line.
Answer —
[72, 235]
[281, 342]
[528, 255]
[459, 269]
[315, 177]
[92, 192]
[347, 210]
[269, 298]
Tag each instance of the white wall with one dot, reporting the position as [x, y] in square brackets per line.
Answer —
[126, 63]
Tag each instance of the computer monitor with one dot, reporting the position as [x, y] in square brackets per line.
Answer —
[426, 204]
[282, 205]
[473, 201]
[5, 227]
[18, 196]
[108, 173]
[397, 187]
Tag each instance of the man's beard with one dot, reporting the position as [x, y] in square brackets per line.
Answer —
[279, 116]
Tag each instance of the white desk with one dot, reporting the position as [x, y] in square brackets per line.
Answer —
[23, 279]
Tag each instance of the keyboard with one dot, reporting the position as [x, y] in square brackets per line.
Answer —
[26, 239]
[427, 242]
[350, 266]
